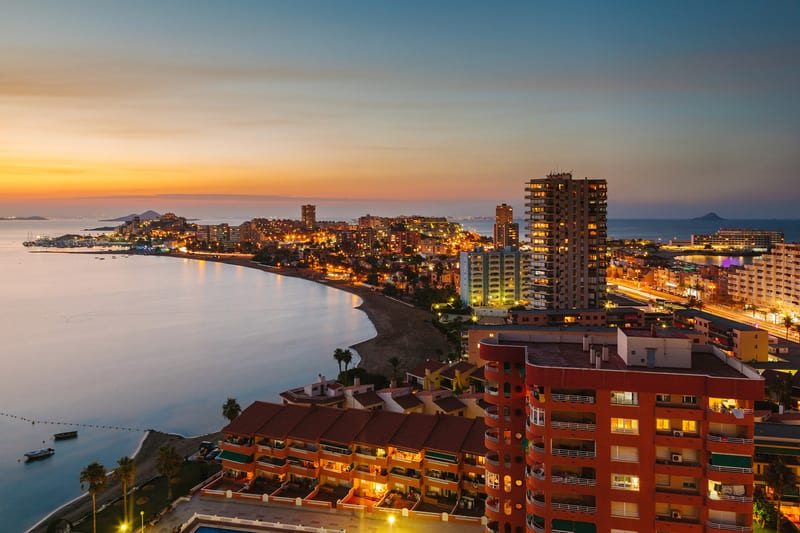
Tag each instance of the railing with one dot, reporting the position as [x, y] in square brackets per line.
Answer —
[492, 435]
[536, 499]
[577, 426]
[492, 413]
[732, 469]
[729, 410]
[572, 398]
[573, 480]
[625, 431]
[564, 452]
[727, 527]
[572, 508]
[538, 447]
[729, 497]
[493, 391]
[493, 505]
[732, 440]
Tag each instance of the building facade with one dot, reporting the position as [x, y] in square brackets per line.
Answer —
[308, 216]
[740, 239]
[498, 278]
[647, 433]
[567, 224]
[506, 231]
[772, 280]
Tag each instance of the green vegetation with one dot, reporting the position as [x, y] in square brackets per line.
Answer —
[169, 465]
[378, 380]
[154, 496]
[126, 473]
[93, 479]
[231, 409]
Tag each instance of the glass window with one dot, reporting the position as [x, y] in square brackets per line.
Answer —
[691, 400]
[624, 398]
[625, 425]
[662, 424]
[689, 426]
[624, 482]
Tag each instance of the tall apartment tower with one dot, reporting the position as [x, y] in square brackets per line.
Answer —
[308, 216]
[506, 231]
[648, 433]
[567, 224]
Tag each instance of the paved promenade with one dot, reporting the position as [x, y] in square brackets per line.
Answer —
[332, 521]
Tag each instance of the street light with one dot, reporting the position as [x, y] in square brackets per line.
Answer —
[141, 513]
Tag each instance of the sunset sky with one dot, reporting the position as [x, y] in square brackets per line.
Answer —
[239, 108]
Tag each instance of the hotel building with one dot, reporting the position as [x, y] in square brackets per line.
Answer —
[645, 432]
[506, 231]
[772, 280]
[498, 278]
[740, 239]
[567, 224]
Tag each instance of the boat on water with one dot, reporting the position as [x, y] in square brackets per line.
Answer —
[39, 454]
[66, 435]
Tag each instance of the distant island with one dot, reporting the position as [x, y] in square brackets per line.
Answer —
[23, 218]
[147, 215]
[102, 228]
[709, 217]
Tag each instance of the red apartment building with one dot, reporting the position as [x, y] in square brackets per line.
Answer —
[645, 432]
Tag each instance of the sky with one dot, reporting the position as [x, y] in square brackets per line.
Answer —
[236, 108]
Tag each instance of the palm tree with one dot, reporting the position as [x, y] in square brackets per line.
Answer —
[93, 479]
[126, 473]
[781, 479]
[781, 388]
[788, 322]
[395, 362]
[338, 354]
[231, 409]
[347, 358]
[168, 465]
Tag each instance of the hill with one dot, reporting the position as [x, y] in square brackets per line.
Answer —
[709, 216]
[147, 215]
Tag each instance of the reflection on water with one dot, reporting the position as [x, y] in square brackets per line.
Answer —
[149, 342]
[716, 260]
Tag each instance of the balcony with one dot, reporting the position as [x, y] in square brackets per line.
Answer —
[574, 426]
[492, 413]
[572, 398]
[729, 440]
[492, 390]
[714, 495]
[492, 435]
[535, 498]
[727, 527]
[571, 452]
[573, 508]
[565, 478]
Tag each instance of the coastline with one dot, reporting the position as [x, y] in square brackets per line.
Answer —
[145, 457]
[402, 331]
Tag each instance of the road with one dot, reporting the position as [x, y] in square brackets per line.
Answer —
[633, 290]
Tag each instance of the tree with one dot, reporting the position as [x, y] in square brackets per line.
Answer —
[693, 303]
[338, 354]
[93, 479]
[347, 358]
[781, 389]
[395, 362]
[231, 409]
[126, 473]
[781, 479]
[788, 322]
[168, 465]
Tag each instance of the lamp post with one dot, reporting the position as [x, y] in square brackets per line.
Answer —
[141, 513]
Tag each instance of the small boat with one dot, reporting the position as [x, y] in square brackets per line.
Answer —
[39, 454]
[66, 435]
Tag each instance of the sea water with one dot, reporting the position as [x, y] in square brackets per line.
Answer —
[117, 345]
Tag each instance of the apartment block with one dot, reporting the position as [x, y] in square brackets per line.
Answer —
[739, 340]
[772, 280]
[567, 224]
[498, 278]
[429, 463]
[506, 231]
[644, 432]
[740, 239]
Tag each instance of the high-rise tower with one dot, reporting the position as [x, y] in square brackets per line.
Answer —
[506, 231]
[567, 224]
[308, 216]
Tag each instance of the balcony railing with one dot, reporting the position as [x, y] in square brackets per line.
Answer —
[729, 497]
[573, 508]
[492, 435]
[565, 452]
[729, 410]
[538, 447]
[492, 413]
[573, 480]
[731, 469]
[731, 440]
[575, 426]
[727, 527]
[492, 391]
[572, 398]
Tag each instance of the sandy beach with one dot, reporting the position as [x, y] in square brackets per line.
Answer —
[402, 331]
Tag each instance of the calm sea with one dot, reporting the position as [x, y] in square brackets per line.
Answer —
[140, 342]
[661, 230]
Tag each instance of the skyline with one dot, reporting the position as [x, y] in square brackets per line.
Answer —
[253, 108]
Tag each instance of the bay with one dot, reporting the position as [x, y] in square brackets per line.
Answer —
[137, 342]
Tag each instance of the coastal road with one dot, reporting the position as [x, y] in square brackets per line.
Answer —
[644, 294]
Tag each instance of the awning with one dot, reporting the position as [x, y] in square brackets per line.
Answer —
[236, 457]
[443, 457]
[576, 527]
[735, 461]
[771, 450]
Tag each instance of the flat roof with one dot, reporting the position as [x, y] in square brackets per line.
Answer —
[718, 320]
[572, 355]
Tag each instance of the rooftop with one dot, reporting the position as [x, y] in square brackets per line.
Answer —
[717, 320]
[449, 404]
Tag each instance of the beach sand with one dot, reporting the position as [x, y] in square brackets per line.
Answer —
[402, 331]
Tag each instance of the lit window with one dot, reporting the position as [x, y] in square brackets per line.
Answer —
[624, 482]
[689, 426]
[625, 425]
[624, 398]
[662, 424]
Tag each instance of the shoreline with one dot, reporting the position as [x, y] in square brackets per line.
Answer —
[402, 331]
